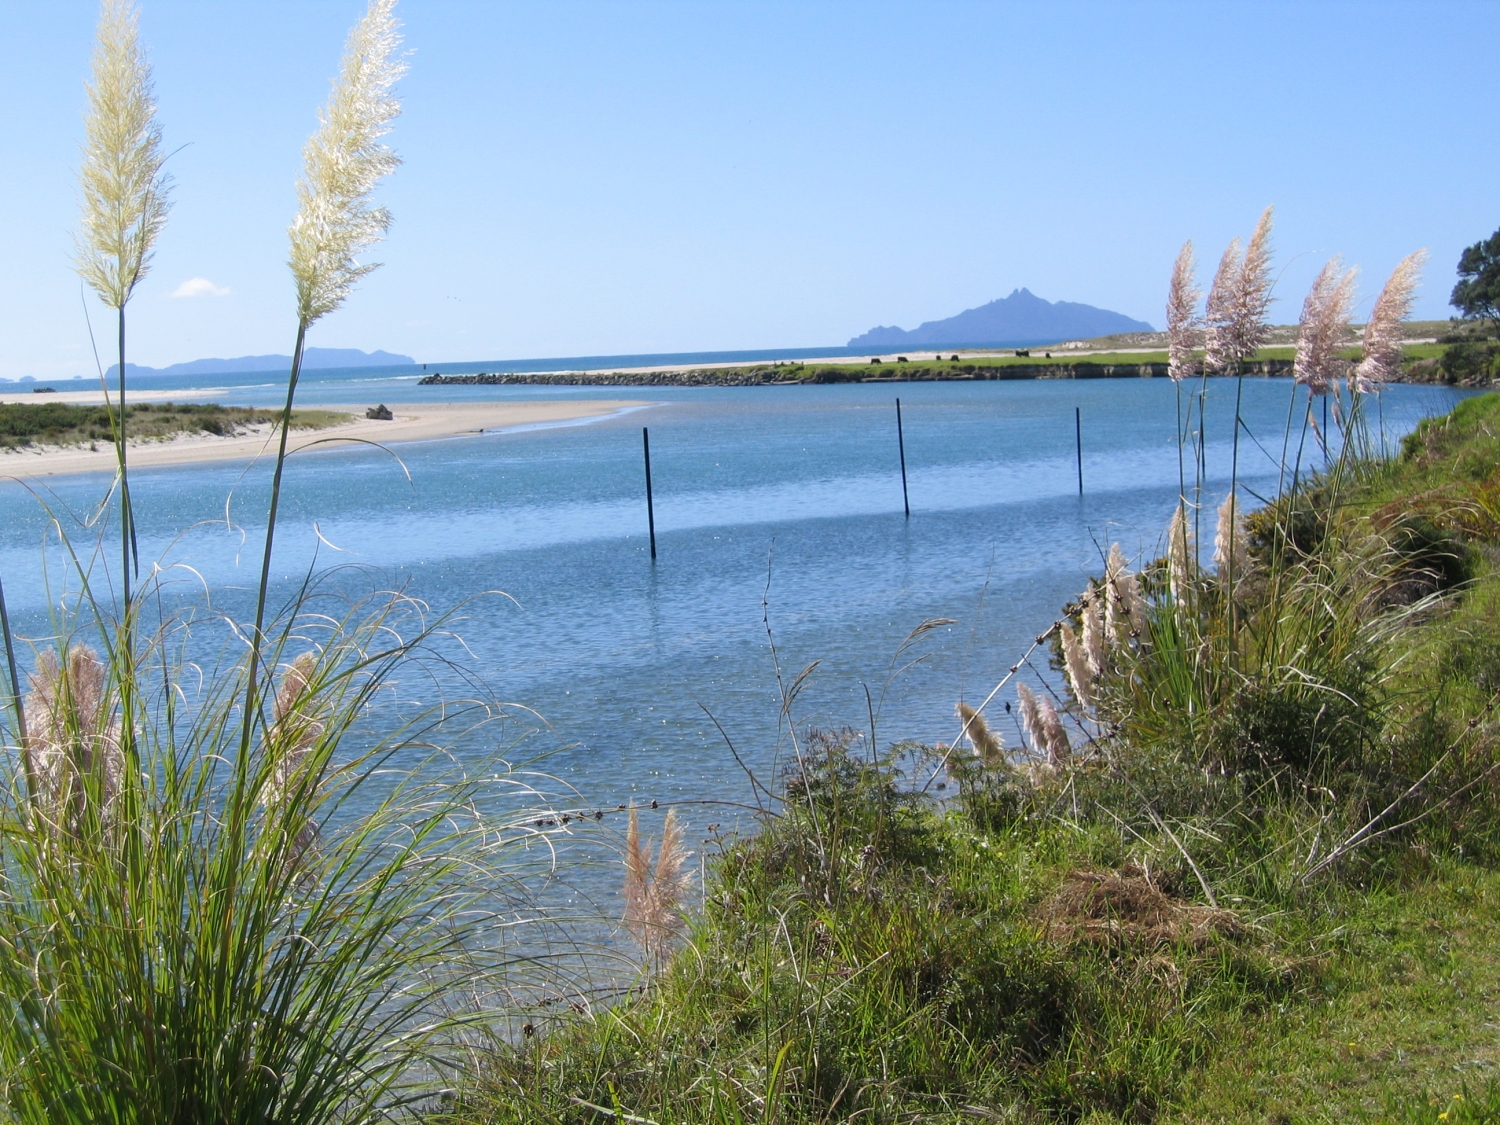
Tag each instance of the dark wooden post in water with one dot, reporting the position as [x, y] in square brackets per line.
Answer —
[901, 447]
[650, 512]
[1078, 439]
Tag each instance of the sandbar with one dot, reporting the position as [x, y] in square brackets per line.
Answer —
[411, 422]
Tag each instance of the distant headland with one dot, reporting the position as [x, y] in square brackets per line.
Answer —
[312, 358]
[1021, 318]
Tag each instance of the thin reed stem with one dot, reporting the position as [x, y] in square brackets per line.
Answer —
[265, 566]
[1234, 484]
[15, 687]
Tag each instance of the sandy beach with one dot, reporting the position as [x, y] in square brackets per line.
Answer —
[412, 422]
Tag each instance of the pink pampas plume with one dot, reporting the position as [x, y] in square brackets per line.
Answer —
[1383, 338]
[1324, 327]
[1239, 300]
[1183, 323]
[653, 898]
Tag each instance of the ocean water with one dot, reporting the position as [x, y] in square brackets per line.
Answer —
[779, 519]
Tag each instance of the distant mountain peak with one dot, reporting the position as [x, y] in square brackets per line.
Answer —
[1020, 319]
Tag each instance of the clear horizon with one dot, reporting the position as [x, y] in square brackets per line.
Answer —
[611, 179]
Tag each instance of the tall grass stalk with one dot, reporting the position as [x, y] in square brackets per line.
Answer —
[335, 222]
[124, 207]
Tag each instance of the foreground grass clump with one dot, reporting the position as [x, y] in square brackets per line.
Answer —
[58, 423]
[1254, 883]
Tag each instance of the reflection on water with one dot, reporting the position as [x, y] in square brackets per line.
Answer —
[788, 494]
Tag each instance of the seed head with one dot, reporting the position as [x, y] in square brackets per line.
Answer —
[1184, 328]
[1054, 737]
[653, 899]
[1383, 339]
[1080, 675]
[1182, 553]
[988, 746]
[1229, 539]
[72, 734]
[1324, 327]
[342, 162]
[1239, 300]
[124, 188]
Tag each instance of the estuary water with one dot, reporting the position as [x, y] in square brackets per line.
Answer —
[779, 517]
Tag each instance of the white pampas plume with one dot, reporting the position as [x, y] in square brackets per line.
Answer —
[124, 189]
[653, 899]
[1092, 617]
[72, 736]
[1229, 540]
[1182, 552]
[342, 162]
[1080, 675]
[1324, 327]
[1239, 299]
[1183, 324]
[988, 746]
[1383, 338]
[1114, 566]
[1124, 608]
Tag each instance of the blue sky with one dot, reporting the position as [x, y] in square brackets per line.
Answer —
[615, 177]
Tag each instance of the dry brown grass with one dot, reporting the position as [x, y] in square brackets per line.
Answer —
[1127, 907]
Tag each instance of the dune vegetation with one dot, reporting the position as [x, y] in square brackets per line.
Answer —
[57, 423]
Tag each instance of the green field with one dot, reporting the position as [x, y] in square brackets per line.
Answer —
[57, 423]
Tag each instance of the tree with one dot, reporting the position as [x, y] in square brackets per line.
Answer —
[1477, 295]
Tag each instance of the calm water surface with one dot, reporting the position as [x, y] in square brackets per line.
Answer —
[791, 495]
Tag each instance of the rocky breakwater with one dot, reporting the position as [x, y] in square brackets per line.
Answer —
[705, 377]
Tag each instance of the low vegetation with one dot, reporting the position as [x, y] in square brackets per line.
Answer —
[1253, 881]
[57, 423]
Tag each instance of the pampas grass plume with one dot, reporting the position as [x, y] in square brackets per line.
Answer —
[294, 730]
[1054, 737]
[1124, 607]
[1383, 337]
[1229, 539]
[1043, 725]
[1080, 675]
[342, 162]
[1183, 324]
[1092, 617]
[989, 747]
[1324, 327]
[1030, 720]
[124, 189]
[653, 898]
[1239, 299]
[1219, 310]
[1181, 552]
[72, 733]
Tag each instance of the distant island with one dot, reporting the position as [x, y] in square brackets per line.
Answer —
[1022, 318]
[320, 358]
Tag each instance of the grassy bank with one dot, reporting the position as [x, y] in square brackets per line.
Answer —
[1254, 882]
[57, 423]
[1036, 363]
